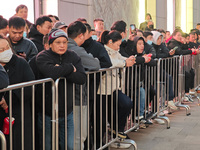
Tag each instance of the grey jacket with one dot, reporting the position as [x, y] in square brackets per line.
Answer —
[27, 46]
[89, 63]
[4, 80]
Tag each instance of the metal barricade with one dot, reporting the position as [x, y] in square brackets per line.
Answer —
[185, 64]
[28, 89]
[3, 141]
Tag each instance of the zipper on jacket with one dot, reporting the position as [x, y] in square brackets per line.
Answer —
[60, 60]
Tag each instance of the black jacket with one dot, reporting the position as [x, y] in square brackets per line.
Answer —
[98, 51]
[36, 37]
[180, 51]
[161, 50]
[126, 48]
[193, 45]
[53, 65]
[19, 71]
[27, 46]
[3, 78]
[149, 49]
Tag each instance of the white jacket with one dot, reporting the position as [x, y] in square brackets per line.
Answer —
[117, 61]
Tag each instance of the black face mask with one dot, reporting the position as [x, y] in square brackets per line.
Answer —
[150, 26]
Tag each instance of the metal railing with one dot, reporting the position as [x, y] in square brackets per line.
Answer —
[101, 96]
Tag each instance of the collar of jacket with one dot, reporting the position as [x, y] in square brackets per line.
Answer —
[110, 50]
[11, 63]
[14, 44]
[87, 43]
[71, 41]
[55, 54]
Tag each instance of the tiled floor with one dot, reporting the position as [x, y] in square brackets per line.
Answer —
[184, 132]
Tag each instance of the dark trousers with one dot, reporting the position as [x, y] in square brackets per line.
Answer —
[124, 108]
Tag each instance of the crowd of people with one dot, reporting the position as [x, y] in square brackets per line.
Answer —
[51, 49]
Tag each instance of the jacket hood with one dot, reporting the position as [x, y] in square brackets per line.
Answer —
[136, 39]
[34, 32]
[156, 35]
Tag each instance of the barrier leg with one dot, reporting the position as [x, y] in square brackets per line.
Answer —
[3, 141]
[124, 144]
[166, 119]
[188, 112]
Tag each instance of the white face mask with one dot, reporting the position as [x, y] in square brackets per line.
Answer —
[6, 56]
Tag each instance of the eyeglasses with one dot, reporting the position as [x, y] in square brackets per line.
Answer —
[4, 49]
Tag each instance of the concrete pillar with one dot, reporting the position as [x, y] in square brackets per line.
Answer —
[161, 14]
[196, 12]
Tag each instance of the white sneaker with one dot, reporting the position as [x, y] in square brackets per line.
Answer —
[161, 114]
[159, 121]
[185, 99]
[172, 105]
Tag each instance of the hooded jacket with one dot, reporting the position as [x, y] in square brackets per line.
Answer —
[161, 50]
[36, 37]
[180, 50]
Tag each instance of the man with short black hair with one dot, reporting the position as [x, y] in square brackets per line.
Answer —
[41, 27]
[148, 48]
[198, 26]
[22, 46]
[77, 33]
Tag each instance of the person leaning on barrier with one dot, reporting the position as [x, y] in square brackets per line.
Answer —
[3, 77]
[112, 42]
[141, 59]
[192, 43]
[163, 52]
[57, 62]
[78, 33]
[18, 71]
[98, 51]
[176, 41]
[21, 45]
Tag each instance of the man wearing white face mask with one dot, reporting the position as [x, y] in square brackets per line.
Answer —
[18, 71]
[148, 48]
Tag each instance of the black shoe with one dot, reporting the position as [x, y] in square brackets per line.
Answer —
[148, 122]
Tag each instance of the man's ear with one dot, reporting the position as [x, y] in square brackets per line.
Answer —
[38, 27]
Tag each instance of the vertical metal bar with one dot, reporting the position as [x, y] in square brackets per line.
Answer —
[33, 115]
[136, 76]
[101, 110]
[111, 105]
[53, 114]
[81, 119]
[106, 108]
[145, 86]
[158, 84]
[95, 111]
[139, 93]
[10, 118]
[88, 111]
[65, 89]
[22, 117]
[116, 109]
[131, 96]
[43, 115]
